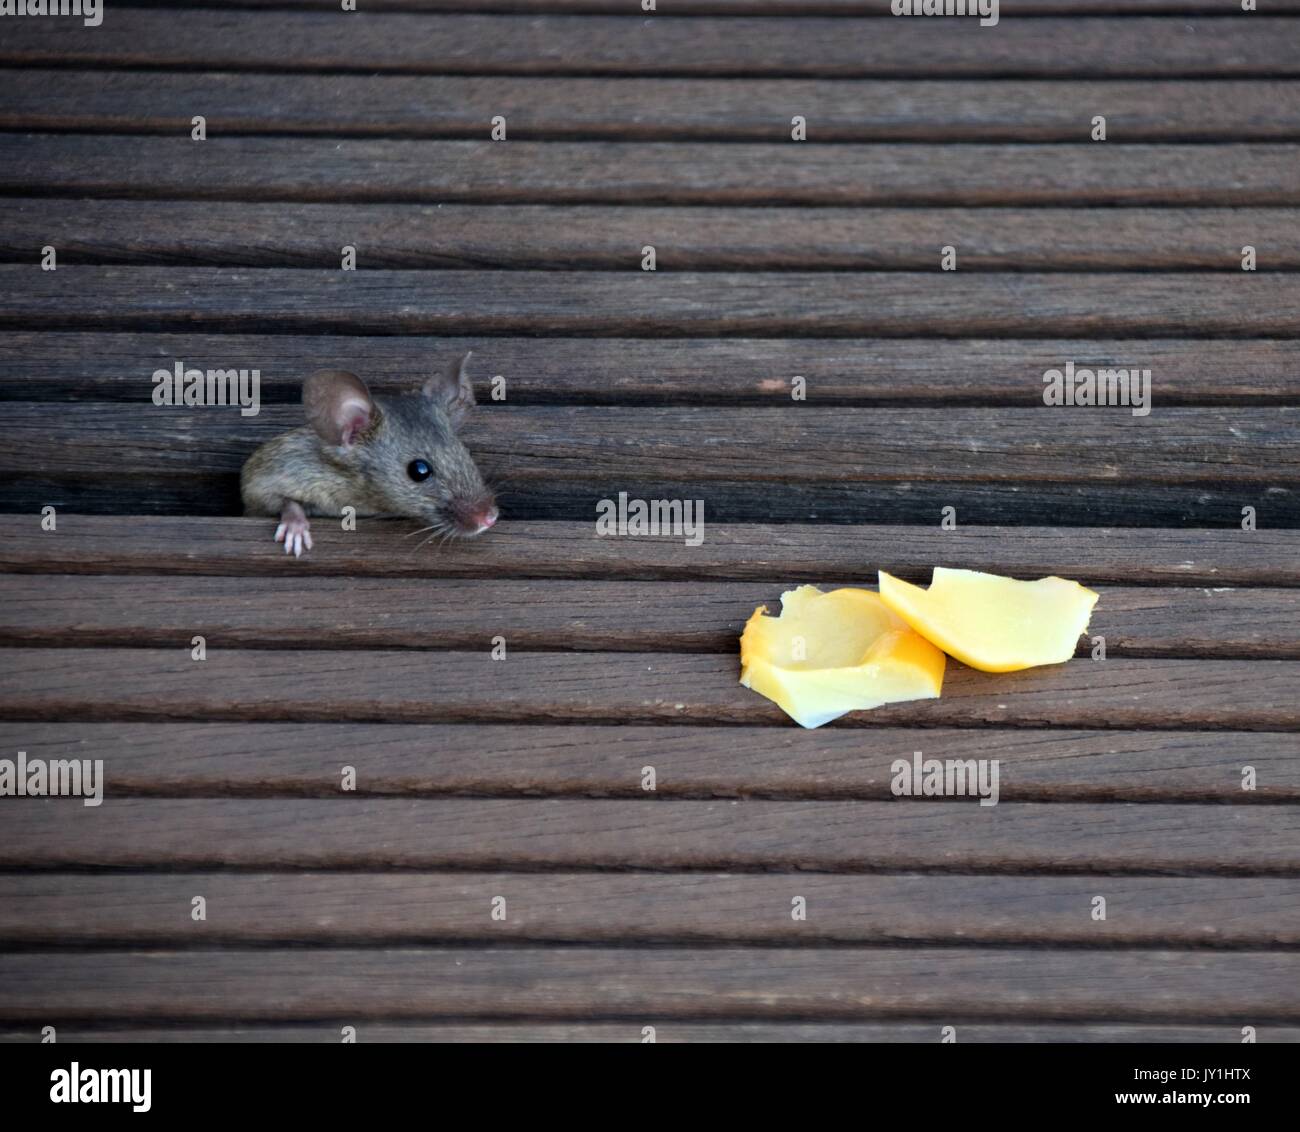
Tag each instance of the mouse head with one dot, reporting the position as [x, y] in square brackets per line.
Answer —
[405, 448]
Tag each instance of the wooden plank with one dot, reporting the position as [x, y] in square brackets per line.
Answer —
[303, 760]
[1087, 467]
[666, 1031]
[545, 833]
[401, 908]
[72, 365]
[662, 109]
[639, 304]
[1253, 47]
[72, 610]
[697, 446]
[737, 501]
[109, 684]
[84, 544]
[224, 233]
[651, 984]
[343, 170]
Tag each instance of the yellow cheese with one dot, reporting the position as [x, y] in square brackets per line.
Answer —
[831, 653]
[992, 623]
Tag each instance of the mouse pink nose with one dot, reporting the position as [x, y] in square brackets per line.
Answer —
[475, 515]
[479, 519]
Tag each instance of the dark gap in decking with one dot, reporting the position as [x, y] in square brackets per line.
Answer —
[758, 10]
[782, 868]
[1023, 1022]
[214, 941]
[779, 265]
[709, 198]
[630, 136]
[253, 571]
[329, 326]
[603, 718]
[1008, 73]
[147, 639]
[1059, 796]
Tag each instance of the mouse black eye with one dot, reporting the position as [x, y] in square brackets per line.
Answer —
[418, 470]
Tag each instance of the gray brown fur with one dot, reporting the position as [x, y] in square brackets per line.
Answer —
[370, 473]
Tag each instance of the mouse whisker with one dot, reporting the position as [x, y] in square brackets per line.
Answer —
[438, 529]
[412, 534]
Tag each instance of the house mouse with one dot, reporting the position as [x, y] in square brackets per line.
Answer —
[380, 455]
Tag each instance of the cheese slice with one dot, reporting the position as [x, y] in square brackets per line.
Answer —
[832, 653]
[993, 623]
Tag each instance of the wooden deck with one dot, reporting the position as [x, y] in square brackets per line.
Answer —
[485, 784]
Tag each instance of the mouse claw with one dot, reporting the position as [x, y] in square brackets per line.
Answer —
[294, 530]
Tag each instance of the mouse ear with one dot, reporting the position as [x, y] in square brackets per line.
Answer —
[338, 406]
[452, 389]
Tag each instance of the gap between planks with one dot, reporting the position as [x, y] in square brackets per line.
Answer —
[666, 1031]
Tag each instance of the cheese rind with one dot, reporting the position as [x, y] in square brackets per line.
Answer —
[993, 623]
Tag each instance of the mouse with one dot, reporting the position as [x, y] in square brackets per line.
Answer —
[390, 456]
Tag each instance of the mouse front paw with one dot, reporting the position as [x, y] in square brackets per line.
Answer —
[294, 530]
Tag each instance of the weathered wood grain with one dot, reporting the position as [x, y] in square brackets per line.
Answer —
[224, 233]
[139, 102]
[400, 908]
[72, 610]
[303, 760]
[533, 833]
[668, 1031]
[1251, 47]
[109, 684]
[71, 365]
[141, 544]
[343, 170]
[1124, 504]
[1084, 466]
[652, 984]
[639, 303]
[570, 458]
